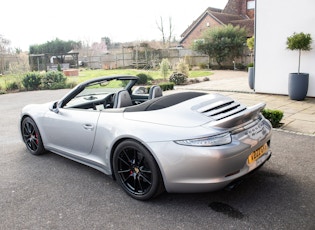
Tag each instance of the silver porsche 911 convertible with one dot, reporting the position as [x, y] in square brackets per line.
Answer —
[150, 142]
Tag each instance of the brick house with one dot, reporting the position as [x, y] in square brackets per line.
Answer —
[236, 12]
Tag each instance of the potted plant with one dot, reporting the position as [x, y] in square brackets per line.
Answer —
[251, 71]
[298, 82]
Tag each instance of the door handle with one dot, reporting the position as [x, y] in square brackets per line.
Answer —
[88, 127]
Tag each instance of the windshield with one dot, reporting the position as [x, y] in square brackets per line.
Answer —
[103, 88]
[96, 92]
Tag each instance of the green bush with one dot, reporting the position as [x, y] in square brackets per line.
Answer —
[143, 79]
[11, 86]
[167, 86]
[203, 65]
[2, 91]
[274, 116]
[54, 80]
[178, 78]
[32, 81]
[250, 65]
[164, 67]
[240, 66]
[182, 67]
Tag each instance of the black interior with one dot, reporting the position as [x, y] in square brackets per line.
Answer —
[163, 102]
[139, 105]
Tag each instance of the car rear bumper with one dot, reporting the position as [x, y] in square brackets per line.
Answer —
[204, 169]
[213, 184]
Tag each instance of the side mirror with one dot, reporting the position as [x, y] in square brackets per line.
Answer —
[54, 107]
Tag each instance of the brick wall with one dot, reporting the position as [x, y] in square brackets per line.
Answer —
[205, 23]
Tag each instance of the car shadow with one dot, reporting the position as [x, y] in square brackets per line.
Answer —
[262, 196]
[263, 188]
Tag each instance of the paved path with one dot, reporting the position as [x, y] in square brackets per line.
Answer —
[299, 116]
[52, 192]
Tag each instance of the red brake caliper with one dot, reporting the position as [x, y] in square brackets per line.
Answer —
[36, 138]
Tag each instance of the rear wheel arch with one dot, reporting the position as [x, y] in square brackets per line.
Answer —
[125, 139]
[112, 154]
[143, 151]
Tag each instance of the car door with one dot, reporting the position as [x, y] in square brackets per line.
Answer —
[71, 131]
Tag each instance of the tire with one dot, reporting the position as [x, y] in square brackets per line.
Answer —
[32, 137]
[136, 171]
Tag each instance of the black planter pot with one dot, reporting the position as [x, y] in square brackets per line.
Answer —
[298, 86]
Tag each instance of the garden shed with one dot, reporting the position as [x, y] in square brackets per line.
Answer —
[46, 62]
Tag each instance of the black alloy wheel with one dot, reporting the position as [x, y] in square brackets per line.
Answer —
[136, 171]
[31, 136]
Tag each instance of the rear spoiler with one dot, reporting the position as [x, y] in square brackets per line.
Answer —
[249, 114]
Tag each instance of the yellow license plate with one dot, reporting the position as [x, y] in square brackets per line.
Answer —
[257, 153]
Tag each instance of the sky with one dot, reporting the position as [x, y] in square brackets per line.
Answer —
[31, 22]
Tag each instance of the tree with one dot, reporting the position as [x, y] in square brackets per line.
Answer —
[4, 49]
[164, 67]
[300, 42]
[56, 46]
[251, 45]
[222, 43]
[161, 29]
[107, 41]
[18, 50]
[182, 67]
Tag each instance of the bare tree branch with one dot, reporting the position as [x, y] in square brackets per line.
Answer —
[170, 31]
[161, 29]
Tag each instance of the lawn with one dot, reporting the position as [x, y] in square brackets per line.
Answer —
[8, 82]
[88, 74]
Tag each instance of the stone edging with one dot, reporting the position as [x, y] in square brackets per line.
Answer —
[293, 132]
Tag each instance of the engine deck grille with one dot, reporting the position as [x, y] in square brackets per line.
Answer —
[221, 109]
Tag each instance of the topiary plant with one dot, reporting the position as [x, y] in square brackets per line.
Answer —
[299, 41]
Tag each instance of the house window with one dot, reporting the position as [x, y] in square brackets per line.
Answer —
[250, 5]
